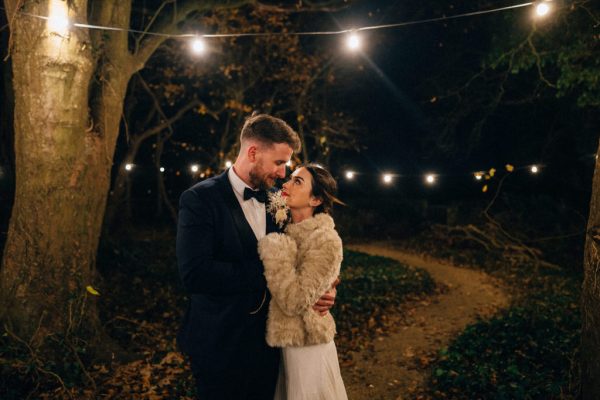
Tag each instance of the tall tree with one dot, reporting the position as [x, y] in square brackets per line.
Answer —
[69, 84]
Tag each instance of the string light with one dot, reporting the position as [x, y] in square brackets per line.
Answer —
[350, 175]
[162, 169]
[129, 167]
[387, 178]
[478, 175]
[542, 8]
[58, 19]
[534, 169]
[198, 46]
[430, 179]
[353, 41]
[194, 168]
[228, 164]
[309, 33]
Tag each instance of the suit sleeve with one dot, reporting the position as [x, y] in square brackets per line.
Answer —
[294, 291]
[198, 269]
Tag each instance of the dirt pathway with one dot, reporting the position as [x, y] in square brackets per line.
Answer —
[397, 366]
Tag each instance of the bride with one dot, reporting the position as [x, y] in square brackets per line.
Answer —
[300, 265]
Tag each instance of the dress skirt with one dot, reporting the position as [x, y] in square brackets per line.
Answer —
[310, 373]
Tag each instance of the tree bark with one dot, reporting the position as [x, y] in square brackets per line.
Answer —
[590, 297]
[59, 163]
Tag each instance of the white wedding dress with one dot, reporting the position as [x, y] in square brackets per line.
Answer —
[310, 373]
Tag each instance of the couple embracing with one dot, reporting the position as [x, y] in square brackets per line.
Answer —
[258, 324]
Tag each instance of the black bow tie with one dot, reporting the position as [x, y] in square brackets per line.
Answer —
[259, 195]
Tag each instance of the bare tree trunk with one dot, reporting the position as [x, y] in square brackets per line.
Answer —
[60, 179]
[590, 303]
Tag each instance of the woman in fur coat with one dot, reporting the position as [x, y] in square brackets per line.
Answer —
[300, 265]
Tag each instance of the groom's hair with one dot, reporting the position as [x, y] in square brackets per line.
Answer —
[269, 130]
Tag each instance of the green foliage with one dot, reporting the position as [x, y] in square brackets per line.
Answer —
[528, 351]
[372, 282]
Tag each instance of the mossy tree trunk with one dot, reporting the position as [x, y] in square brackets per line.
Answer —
[69, 92]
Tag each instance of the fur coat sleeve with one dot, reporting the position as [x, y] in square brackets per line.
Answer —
[298, 278]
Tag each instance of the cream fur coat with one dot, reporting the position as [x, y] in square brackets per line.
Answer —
[300, 266]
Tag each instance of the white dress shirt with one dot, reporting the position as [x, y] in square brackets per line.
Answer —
[254, 210]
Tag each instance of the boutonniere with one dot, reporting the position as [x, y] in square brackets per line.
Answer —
[278, 208]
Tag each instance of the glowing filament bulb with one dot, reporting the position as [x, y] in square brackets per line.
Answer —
[350, 175]
[387, 178]
[58, 17]
[198, 46]
[194, 168]
[353, 41]
[542, 9]
[430, 179]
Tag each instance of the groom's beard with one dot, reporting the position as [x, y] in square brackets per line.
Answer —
[260, 180]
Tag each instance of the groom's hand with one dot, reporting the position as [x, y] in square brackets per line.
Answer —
[327, 300]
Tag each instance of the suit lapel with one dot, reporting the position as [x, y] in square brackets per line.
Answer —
[247, 237]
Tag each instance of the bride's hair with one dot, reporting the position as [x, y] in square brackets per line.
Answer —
[324, 187]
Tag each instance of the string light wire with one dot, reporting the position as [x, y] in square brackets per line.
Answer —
[309, 33]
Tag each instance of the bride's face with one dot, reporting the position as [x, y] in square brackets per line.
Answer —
[298, 190]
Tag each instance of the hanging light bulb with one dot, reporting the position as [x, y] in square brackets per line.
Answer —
[350, 175]
[228, 164]
[58, 17]
[162, 169]
[534, 169]
[194, 168]
[129, 167]
[353, 41]
[430, 179]
[387, 178]
[198, 46]
[542, 8]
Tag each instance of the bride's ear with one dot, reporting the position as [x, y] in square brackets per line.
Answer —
[315, 201]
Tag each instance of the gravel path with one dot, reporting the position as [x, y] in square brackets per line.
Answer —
[396, 366]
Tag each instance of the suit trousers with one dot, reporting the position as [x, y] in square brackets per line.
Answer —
[252, 377]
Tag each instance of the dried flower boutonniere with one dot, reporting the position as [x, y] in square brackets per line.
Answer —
[278, 208]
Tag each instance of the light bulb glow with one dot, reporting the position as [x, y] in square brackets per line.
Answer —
[542, 9]
[430, 179]
[478, 176]
[194, 168]
[198, 46]
[228, 164]
[534, 169]
[353, 41]
[58, 17]
[350, 175]
[387, 178]
[162, 169]
[128, 167]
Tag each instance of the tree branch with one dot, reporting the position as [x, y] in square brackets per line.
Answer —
[305, 6]
[168, 24]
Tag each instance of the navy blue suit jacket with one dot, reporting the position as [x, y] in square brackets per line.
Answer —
[220, 269]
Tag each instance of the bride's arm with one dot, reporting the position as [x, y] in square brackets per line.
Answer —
[295, 291]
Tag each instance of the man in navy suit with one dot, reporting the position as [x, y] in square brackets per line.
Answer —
[220, 221]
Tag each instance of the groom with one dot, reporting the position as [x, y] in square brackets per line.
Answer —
[220, 221]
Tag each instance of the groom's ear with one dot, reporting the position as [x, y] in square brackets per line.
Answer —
[251, 152]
